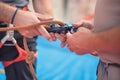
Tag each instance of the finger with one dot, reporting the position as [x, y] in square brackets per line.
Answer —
[53, 36]
[69, 48]
[68, 40]
[88, 25]
[44, 33]
[91, 27]
[78, 24]
[61, 38]
[63, 35]
[63, 44]
[68, 35]
[72, 31]
[84, 30]
[57, 35]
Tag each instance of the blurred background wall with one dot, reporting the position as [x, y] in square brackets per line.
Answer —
[71, 10]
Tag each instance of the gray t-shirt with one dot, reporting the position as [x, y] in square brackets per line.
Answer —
[17, 3]
[107, 15]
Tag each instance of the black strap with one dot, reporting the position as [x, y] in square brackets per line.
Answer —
[13, 17]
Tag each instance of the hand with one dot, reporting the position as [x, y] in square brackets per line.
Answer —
[84, 23]
[62, 38]
[24, 18]
[46, 17]
[80, 42]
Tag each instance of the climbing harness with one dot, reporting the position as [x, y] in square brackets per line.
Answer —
[27, 55]
[8, 37]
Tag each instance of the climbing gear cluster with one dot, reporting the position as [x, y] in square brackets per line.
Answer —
[27, 55]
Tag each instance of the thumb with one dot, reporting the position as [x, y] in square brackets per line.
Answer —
[83, 29]
[68, 35]
[77, 24]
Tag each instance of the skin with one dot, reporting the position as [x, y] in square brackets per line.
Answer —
[43, 9]
[26, 18]
[86, 41]
[86, 24]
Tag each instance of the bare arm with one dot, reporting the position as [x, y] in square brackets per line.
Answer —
[22, 18]
[86, 41]
[44, 11]
[108, 40]
[6, 12]
[43, 7]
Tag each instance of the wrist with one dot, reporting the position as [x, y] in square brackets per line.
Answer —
[18, 17]
[93, 42]
[97, 44]
[14, 15]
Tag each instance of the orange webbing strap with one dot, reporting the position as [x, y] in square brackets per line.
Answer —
[25, 8]
[1, 44]
[22, 56]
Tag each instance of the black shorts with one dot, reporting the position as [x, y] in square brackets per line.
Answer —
[18, 71]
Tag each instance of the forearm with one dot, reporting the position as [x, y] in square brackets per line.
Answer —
[6, 12]
[108, 41]
[43, 7]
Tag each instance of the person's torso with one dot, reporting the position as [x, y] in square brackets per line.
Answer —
[107, 15]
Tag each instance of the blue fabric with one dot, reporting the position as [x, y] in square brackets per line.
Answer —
[56, 63]
[2, 76]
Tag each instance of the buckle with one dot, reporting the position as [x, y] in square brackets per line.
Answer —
[9, 37]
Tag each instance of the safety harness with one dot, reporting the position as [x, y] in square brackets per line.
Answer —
[27, 55]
